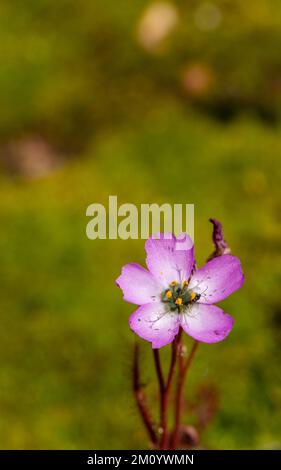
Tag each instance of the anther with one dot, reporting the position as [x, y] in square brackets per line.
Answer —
[169, 294]
[193, 296]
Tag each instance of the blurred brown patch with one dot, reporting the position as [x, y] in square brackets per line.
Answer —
[197, 79]
[30, 157]
[205, 405]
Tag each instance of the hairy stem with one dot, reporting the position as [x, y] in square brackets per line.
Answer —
[159, 372]
[165, 395]
[140, 399]
[184, 366]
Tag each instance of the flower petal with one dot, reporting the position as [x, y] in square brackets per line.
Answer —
[217, 279]
[138, 285]
[206, 323]
[170, 259]
[155, 324]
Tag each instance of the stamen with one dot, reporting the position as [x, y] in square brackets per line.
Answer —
[185, 283]
[178, 301]
[173, 283]
[193, 296]
[169, 294]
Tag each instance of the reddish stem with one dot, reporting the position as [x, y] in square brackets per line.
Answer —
[140, 399]
[183, 368]
[165, 395]
[159, 370]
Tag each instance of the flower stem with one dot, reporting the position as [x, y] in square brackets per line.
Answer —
[140, 399]
[159, 372]
[165, 395]
[184, 366]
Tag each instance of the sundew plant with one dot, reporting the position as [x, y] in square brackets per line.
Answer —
[175, 296]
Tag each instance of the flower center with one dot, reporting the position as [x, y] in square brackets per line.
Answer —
[178, 296]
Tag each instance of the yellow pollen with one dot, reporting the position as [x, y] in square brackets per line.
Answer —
[185, 283]
[169, 294]
[173, 283]
[193, 295]
[178, 301]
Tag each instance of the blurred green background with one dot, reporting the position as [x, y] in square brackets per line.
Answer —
[174, 102]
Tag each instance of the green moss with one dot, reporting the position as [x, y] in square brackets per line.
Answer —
[65, 344]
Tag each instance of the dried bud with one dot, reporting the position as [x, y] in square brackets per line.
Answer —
[221, 246]
[188, 436]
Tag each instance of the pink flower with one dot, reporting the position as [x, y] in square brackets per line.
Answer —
[171, 294]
